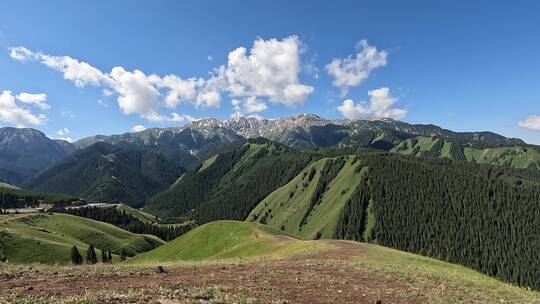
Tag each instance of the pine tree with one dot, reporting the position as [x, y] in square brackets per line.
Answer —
[109, 256]
[123, 255]
[3, 258]
[91, 257]
[76, 257]
[104, 257]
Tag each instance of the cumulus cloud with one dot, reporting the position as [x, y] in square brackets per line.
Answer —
[138, 128]
[81, 73]
[39, 100]
[22, 54]
[180, 117]
[13, 113]
[136, 93]
[179, 89]
[248, 105]
[63, 134]
[531, 122]
[269, 70]
[353, 70]
[380, 105]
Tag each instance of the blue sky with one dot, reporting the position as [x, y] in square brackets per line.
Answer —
[466, 66]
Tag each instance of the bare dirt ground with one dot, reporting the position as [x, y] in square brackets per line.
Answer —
[323, 277]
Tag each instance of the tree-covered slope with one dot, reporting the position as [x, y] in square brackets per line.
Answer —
[481, 216]
[106, 173]
[11, 197]
[231, 185]
[48, 238]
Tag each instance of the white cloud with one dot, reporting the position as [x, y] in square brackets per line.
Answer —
[63, 135]
[138, 128]
[179, 89]
[39, 100]
[136, 93]
[249, 105]
[270, 70]
[103, 104]
[81, 73]
[180, 117]
[22, 54]
[379, 106]
[106, 92]
[352, 71]
[63, 132]
[531, 122]
[13, 113]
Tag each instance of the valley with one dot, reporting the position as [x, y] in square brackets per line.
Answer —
[292, 210]
[269, 152]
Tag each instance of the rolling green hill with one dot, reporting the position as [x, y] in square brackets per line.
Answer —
[48, 238]
[293, 207]
[228, 239]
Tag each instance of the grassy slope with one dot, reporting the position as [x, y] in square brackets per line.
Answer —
[225, 240]
[511, 156]
[49, 238]
[440, 282]
[436, 281]
[286, 212]
[516, 157]
[139, 214]
[409, 275]
[208, 162]
[8, 186]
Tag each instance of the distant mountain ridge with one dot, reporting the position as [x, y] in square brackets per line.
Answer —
[25, 152]
[203, 138]
[108, 173]
[297, 131]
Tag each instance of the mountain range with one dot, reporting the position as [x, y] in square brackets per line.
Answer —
[131, 167]
[417, 188]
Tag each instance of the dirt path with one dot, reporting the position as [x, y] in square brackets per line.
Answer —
[324, 277]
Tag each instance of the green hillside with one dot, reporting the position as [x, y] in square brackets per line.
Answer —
[225, 240]
[512, 156]
[435, 207]
[230, 185]
[139, 214]
[48, 238]
[292, 206]
[7, 186]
